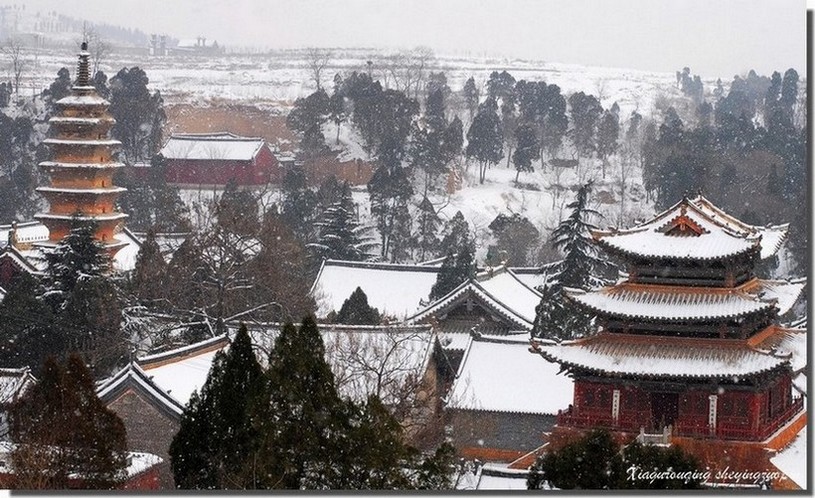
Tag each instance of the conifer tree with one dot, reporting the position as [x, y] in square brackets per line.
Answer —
[27, 326]
[608, 131]
[428, 225]
[217, 444]
[356, 311]
[149, 274]
[306, 430]
[527, 149]
[237, 210]
[455, 269]
[340, 236]
[471, 96]
[63, 431]
[77, 256]
[586, 110]
[556, 318]
[485, 138]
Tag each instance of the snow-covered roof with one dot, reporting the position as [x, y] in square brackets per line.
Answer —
[14, 382]
[784, 292]
[356, 355]
[799, 382]
[96, 190]
[793, 460]
[395, 290]
[2, 294]
[92, 100]
[212, 146]
[55, 164]
[499, 374]
[75, 120]
[27, 232]
[35, 232]
[133, 376]
[520, 311]
[535, 277]
[693, 229]
[659, 356]
[81, 142]
[783, 341]
[497, 477]
[660, 302]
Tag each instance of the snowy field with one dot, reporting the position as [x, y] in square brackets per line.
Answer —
[273, 81]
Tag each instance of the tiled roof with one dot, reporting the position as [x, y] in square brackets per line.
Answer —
[212, 146]
[660, 302]
[14, 382]
[521, 319]
[499, 374]
[649, 356]
[721, 235]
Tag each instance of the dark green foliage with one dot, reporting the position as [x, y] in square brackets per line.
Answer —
[237, 210]
[556, 318]
[18, 175]
[28, 333]
[151, 202]
[218, 441]
[307, 117]
[337, 109]
[608, 131]
[339, 236]
[456, 269]
[147, 282]
[389, 190]
[77, 256]
[139, 115]
[428, 225]
[60, 87]
[62, 428]
[526, 150]
[596, 461]
[485, 138]
[516, 237]
[471, 96]
[298, 206]
[356, 311]
[586, 111]
[573, 239]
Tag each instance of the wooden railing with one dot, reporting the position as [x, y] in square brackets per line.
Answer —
[736, 429]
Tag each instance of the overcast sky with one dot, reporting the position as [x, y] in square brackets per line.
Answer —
[713, 37]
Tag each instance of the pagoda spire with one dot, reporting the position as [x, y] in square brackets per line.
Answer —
[83, 73]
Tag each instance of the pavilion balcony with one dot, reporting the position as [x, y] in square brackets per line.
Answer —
[727, 428]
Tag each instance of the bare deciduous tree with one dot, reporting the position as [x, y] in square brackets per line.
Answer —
[98, 47]
[13, 49]
[318, 60]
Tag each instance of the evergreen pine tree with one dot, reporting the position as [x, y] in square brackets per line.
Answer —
[356, 311]
[148, 278]
[63, 430]
[448, 278]
[527, 149]
[306, 430]
[237, 210]
[428, 225]
[28, 333]
[340, 236]
[75, 257]
[586, 110]
[555, 317]
[471, 96]
[608, 131]
[139, 115]
[485, 138]
[217, 444]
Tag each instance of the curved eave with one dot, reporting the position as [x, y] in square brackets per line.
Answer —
[81, 217]
[572, 366]
[633, 254]
[81, 143]
[117, 244]
[653, 317]
[66, 120]
[59, 165]
[81, 191]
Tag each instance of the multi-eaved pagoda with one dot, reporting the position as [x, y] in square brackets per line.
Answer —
[690, 339]
[81, 170]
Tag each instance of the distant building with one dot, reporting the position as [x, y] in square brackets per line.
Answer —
[212, 159]
[197, 46]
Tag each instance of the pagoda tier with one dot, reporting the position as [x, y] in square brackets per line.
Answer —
[82, 165]
[691, 311]
[692, 243]
[727, 389]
